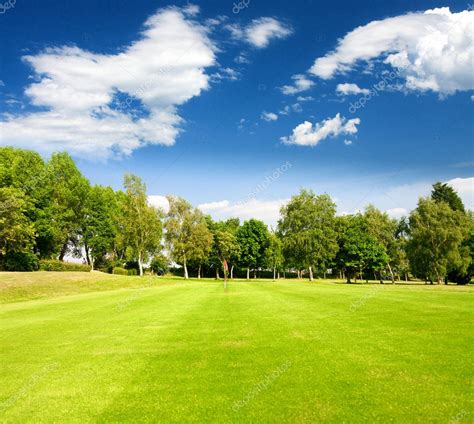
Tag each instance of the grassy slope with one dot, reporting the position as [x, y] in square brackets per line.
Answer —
[177, 352]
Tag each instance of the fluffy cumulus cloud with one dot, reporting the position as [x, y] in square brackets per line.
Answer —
[260, 31]
[432, 50]
[269, 116]
[265, 210]
[347, 89]
[86, 98]
[160, 202]
[307, 134]
[300, 83]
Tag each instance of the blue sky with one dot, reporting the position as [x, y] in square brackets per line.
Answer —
[208, 104]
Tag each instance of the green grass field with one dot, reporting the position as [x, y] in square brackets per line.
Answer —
[100, 348]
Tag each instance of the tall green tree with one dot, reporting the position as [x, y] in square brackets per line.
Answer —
[16, 229]
[437, 233]
[226, 247]
[274, 254]
[383, 229]
[358, 249]
[253, 239]
[99, 231]
[187, 235]
[308, 230]
[140, 223]
[67, 191]
[442, 192]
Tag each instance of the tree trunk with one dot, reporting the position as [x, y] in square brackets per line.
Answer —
[248, 273]
[140, 265]
[186, 276]
[217, 273]
[254, 273]
[278, 275]
[391, 273]
[199, 272]
[63, 250]
[88, 258]
[348, 281]
[310, 269]
[406, 277]
[274, 273]
[232, 272]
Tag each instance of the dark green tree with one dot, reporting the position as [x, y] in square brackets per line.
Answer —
[253, 239]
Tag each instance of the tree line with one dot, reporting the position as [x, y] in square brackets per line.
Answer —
[49, 210]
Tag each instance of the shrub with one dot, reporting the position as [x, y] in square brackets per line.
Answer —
[56, 265]
[159, 264]
[19, 261]
[132, 271]
[119, 271]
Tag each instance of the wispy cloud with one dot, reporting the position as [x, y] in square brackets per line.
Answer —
[260, 31]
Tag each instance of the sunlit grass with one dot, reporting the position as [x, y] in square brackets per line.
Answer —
[99, 348]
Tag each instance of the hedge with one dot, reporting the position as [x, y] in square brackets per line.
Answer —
[122, 271]
[56, 265]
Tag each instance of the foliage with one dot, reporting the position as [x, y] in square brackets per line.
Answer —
[436, 236]
[122, 271]
[140, 223]
[48, 210]
[19, 261]
[159, 264]
[274, 253]
[16, 230]
[187, 235]
[359, 250]
[443, 192]
[67, 191]
[253, 239]
[308, 230]
[56, 265]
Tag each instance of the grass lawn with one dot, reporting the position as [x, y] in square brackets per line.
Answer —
[79, 347]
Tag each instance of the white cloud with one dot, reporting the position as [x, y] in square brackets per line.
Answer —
[162, 70]
[465, 189]
[347, 142]
[265, 210]
[347, 89]
[214, 206]
[433, 49]
[268, 116]
[241, 59]
[301, 83]
[225, 74]
[397, 212]
[160, 202]
[260, 31]
[304, 98]
[306, 134]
